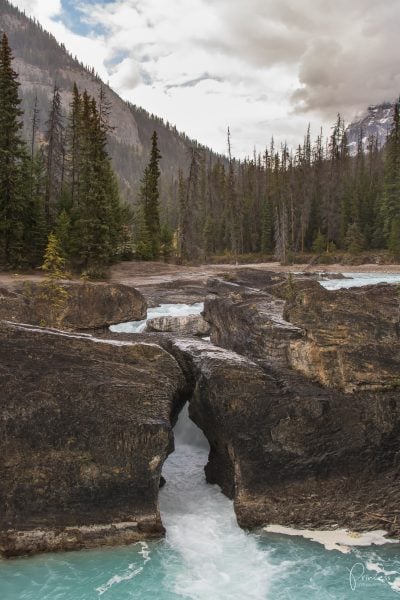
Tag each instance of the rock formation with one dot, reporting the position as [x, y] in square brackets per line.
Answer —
[300, 453]
[346, 339]
[87, 306]
[188, 325]
[249, 322]
[352, 336]
[300, 407]
[85, 427]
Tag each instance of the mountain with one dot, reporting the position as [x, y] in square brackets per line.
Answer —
[41, 62]
[375, 122]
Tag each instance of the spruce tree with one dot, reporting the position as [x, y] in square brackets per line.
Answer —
[54, 159]
[391, 191]
[52, 291]
[149, 195]
[74, 143]
[13, 164]
[96, 217]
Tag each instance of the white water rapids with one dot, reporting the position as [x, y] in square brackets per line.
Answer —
[215, 559]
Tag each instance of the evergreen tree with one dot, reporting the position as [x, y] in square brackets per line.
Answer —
[96, 212]
[394, 239]
[391, 191]
[143, 246]
[53, 293]
[74, 134]
[14, 171]
[149, 197]
[35, 230]
[54, 159]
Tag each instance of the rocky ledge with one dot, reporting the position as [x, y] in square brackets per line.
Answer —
[74, 306]
[86, 425]
[317, 442]
[188, 325]
[348, 339]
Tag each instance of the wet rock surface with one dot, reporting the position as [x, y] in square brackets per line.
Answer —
[86, 424]
[87, 306]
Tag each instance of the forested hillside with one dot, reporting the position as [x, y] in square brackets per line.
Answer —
[188, 203]
[41, 62]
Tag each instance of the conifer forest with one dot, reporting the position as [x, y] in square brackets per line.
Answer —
[314, 199]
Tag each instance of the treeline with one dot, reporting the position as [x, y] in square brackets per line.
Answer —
[317, 199]
[63, 184]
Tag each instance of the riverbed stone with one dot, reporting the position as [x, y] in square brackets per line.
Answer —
[183, 325]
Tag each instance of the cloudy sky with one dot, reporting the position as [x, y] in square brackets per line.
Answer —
[263, 67]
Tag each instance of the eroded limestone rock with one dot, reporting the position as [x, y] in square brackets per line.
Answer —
[249, 322]
[87, 305]
[352, 336]
[85, 428]
[347, 339]
[289, 451]
[187, 325]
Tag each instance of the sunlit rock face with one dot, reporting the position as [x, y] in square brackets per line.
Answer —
[86, 427]
[85, 306]
[351, 336]
[346, 339]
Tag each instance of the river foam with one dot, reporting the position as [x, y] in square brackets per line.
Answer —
[216, 559]
[336, 539]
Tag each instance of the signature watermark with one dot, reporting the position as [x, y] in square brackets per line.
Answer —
[360, 575]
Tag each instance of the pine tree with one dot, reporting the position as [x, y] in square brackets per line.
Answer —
[35, 229]
[149, 197]
[394, 239]
[96, 214]
[143, 246]
[54, 159]
[391, 191]
[231, 193]
[52, 292]
[74, 132]
[167, 239]
[13, 164]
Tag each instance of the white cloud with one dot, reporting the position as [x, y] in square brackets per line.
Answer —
[262, 66]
